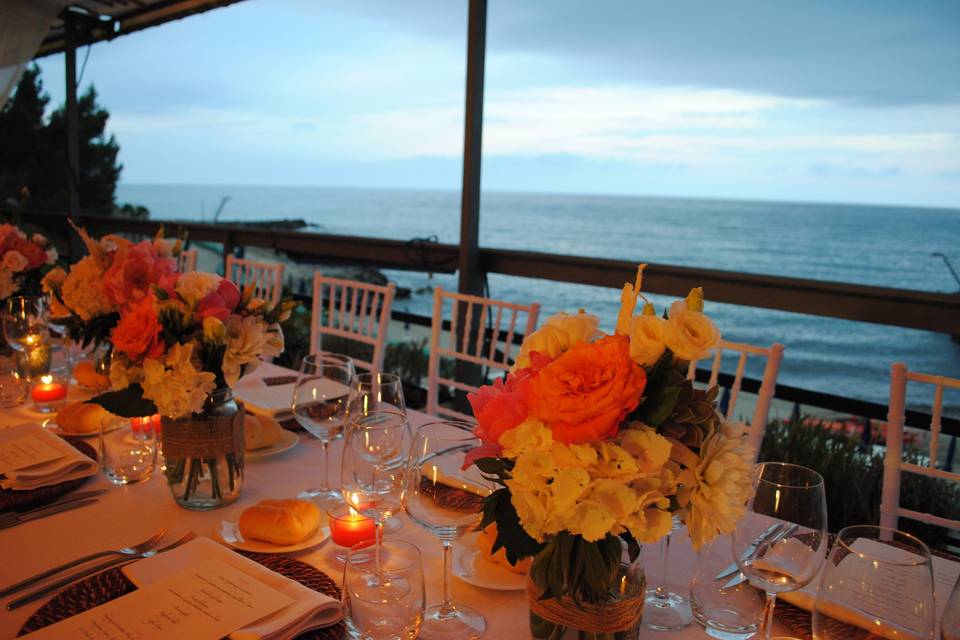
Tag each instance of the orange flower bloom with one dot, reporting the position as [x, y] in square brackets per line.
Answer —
[585, 394]
[137, 334]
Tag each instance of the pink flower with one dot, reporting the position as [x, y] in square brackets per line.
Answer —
[221, 303]
[499, 407]
[134, 271]
[168, 283]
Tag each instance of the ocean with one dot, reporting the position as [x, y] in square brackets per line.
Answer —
[885, 246]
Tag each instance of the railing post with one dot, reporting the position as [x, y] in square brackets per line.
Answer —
[470, 276]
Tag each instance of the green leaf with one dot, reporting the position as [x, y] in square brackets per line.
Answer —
[511, 535]
[658, 408]
[126, 403]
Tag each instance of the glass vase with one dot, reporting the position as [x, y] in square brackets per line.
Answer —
[204, 453]
[615, 618]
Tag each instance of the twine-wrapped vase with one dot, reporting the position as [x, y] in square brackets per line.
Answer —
[617, 617]
[204, 454]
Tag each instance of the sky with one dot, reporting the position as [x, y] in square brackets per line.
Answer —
[827, 101]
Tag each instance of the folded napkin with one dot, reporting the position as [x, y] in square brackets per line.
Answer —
[260, 399]
[309, 610]
[72, 465]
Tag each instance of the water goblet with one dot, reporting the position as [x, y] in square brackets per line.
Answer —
[371, 468]
[379, 391]
[25, 322]
[447, 500]
[384, 600]
[876, 582]
[321, 401]
[785, 495]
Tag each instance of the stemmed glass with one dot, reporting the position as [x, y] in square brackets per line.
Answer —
[321, 404]
[372, 458]
[447, 500]
[379, 391]
[877, 581]
[25, 328]
[950, 625]
[665, 610]
[784, 495]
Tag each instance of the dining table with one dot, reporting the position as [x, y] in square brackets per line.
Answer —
[131, 513]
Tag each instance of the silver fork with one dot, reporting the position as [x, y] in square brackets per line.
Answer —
[146, 545]
[109, 564]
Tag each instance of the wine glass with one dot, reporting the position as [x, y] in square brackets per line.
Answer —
[371, 470]
[379, 391]
[791, 500]
[447, 500]
[877, 581]
[322, 397]
[25, 322]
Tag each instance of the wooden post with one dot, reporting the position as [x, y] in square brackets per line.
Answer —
[72, 122]
[470, 276]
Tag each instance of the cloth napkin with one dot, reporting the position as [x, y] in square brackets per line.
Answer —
[309, 610]
[260, 399]
[71, 466]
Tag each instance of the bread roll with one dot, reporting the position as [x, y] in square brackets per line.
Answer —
[280, 521]
[87, 376]
[260, 432]
[485, 544]
[81, 418]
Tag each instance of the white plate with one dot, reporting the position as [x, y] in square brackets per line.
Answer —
[286, 442]
[229, 534]
[472, 566]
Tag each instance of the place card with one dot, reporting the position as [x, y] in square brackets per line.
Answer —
[26, 451]
[207, 601]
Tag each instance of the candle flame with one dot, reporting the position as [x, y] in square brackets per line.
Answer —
[46, 379]
[354, 499]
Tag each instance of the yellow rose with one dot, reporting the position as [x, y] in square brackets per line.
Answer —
[689, 334]
[558, 334]
[646, 339]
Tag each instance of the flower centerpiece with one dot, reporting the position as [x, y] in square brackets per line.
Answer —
[115, 274]
[178, 349]
[597, 441]
[23, 261]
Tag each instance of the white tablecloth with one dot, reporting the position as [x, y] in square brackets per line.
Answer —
[126, 515]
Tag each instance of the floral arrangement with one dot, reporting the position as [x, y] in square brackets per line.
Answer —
[195, 333]
[115, 274]
[597, 438]
[23, 261]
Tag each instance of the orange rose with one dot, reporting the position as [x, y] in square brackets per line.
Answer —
[137, 334]
[585, 394]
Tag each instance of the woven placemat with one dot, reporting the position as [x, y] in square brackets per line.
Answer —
[104, 587]
[451, 497]
[799, 621]
[12, 499]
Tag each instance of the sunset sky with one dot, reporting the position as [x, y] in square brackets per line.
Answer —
[814, 101]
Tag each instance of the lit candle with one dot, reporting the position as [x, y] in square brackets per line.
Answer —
[47, 390]
[349, 528]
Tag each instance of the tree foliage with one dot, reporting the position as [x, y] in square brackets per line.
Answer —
[33, 154]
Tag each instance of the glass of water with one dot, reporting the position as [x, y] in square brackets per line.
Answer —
[13, 388]
[128, 449]
[387, 602]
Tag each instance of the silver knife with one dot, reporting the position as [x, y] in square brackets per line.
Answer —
[733, 567]
[45, 512]
[786, 532]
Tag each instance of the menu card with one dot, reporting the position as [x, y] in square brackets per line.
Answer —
[204, 602]
[25, 451]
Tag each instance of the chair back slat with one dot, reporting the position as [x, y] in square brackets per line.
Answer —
[266, 277]
[354, 310]
[187, 261]
[761, 413]
[893, 464]
[477, 335]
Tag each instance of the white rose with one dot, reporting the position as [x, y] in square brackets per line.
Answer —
[246, 341]
[646, 339]
[690, 335]
[15, 261]
[197, 285]
[558, 334]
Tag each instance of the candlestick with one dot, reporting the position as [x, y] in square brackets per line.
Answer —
[48, 396]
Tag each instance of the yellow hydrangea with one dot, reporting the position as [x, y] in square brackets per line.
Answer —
[175, 385]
